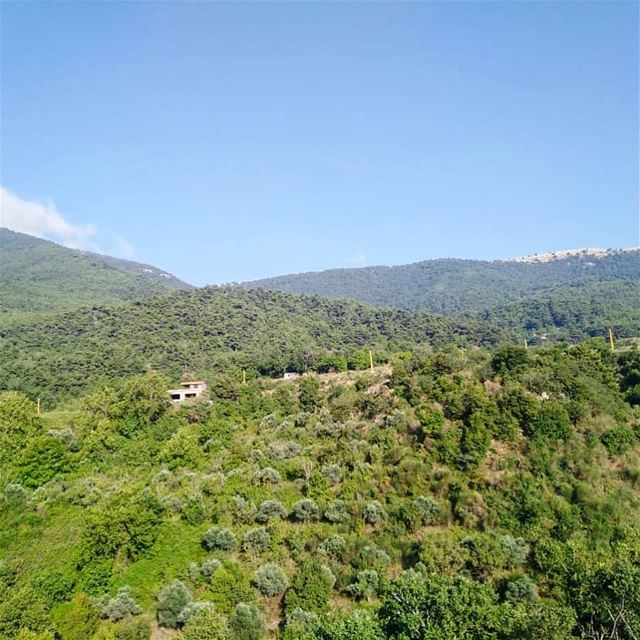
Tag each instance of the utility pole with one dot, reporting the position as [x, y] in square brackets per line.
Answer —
[611, 343]
[371, 360]
[526, 344]
[38, 405]
[244, 376]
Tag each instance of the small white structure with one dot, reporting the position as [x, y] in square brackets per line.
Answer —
[188, 391]
[290, 375]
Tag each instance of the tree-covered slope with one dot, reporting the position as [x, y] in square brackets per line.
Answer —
[453, 286]
[475, 496]
[39, 277]
[571, 312]
[205, 330]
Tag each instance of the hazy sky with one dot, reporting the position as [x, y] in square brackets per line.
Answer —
[230, 141]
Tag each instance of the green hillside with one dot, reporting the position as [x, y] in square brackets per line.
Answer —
[476, 495]
[571, 312]
[209, 330]
[38, 277]
[453, 286]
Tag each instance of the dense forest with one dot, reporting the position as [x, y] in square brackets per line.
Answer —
[210, 330]
[38, 277]
[451, 286]
[572, 312]
[454, 494]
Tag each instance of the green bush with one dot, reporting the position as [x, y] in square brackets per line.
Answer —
[337, 512]
[420, 511]
[271, 510]
[551, 423]
[310, 588]
[43, 459]
[206, 624]
[619, 440]
[247, 622]
[373, 513]
[78, 619]
[219, 540]
[122, 606]
[305, 510]
[172, 600]
[256, 541]
[270, 580]
[137, 629]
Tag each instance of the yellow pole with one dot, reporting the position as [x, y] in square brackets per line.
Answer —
[38, 405]
[611, 343]
[371, 360]
[526, 344]
[244, 376]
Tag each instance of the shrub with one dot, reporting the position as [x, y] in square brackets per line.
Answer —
[310, 588]
[268, 475]
[333, 473]
[509, 359]
[371, 555]
[619, 440]
[193, 510]
[206, 624]
[139, 629]
[359, 624]
[256, 541]
[18, 420]
[520, 589]
[122, 606]
[270, 510]
[229, 586]
[285, 450]
[247, 622]
[517, 549]
[219, 540]
[270, 580]
[42, 459]
[305, 509]
[551, 423]
[366, 585]
[171, 602]
[192, 608]
[334, 547]
[421, 511]
[242, 511]
[301, 625]
[337, 512]
[373, 513]
[78, 619]
[209, 566]
[16, 495]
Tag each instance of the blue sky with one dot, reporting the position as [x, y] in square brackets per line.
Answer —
[231, 141]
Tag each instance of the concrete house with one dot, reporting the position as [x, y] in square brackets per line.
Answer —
[188, 390]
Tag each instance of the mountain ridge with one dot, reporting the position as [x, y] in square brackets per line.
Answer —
[39, 276]
[450, 286]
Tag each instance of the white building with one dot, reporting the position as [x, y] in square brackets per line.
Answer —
[188, 391]
[290, 375]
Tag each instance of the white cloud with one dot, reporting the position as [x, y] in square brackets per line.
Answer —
[43, 220]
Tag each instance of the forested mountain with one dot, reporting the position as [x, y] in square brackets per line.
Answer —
[464, 495]
[453, 286]
[206, 330]
[571, 312]
[39, 277]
